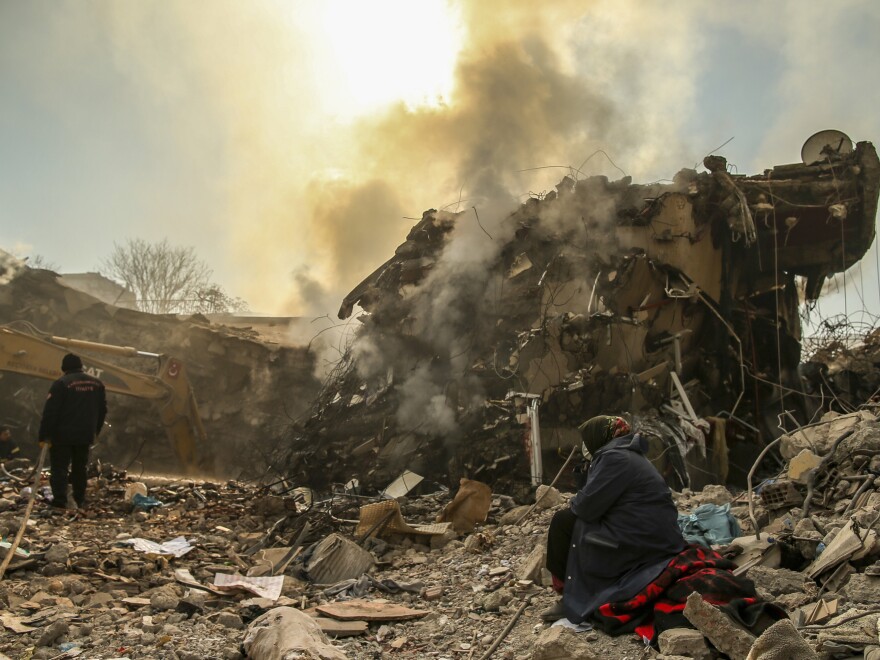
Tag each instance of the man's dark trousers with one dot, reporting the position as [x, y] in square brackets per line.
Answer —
[61, 459]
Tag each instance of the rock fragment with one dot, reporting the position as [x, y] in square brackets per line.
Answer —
[724, 634]
[684, 642]
[558, 643]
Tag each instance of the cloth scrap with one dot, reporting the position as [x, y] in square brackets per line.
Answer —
[144, 502]
[176, 547]
[709, 524]
[358, 588]
[577, 627]
[265, 587]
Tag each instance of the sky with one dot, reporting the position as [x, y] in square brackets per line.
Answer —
[293, 143]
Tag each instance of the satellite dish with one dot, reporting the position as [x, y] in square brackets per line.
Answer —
[823, 144]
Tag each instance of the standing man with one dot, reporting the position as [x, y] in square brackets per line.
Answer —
[72, 418]
[8, 448]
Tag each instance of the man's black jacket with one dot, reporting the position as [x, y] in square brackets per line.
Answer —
[74, 411]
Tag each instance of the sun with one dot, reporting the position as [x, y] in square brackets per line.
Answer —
[371, 54]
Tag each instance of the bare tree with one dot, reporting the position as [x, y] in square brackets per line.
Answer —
[164, 279]
[214, 300]
[39, 261]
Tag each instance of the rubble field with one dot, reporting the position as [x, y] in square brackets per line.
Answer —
[136, 574]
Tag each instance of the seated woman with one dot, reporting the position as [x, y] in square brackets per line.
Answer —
[621, 529]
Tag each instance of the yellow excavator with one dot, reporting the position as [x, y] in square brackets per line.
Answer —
[26, 350]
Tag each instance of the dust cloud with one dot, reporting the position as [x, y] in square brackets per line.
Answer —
[313, 202]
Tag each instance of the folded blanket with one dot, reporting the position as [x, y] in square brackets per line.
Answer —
[660, 604]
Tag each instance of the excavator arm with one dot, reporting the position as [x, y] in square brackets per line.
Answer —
[25, 350]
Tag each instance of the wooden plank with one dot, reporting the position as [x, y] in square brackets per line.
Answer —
[352, 610]
[335, 628]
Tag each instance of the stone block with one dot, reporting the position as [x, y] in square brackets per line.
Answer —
[686, 642]
[776, 581]
[547, 497]
[799, 467]
[530, 569]
[863, 588]
[558, 643]
[725, 635]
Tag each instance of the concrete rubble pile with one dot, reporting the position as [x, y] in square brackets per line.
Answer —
[677, 303]
[222, 363]
[187, 569]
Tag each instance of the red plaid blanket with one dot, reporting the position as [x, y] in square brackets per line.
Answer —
[659, 605]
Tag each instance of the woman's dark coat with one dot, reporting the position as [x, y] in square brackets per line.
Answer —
[625, 504]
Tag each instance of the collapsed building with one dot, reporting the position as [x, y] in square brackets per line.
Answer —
[222, 363]
[483, 346]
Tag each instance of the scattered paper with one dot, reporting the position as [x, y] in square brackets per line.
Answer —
[402, 485]
[265, 587]
[186, 578]
[14, 624]
[176, 547]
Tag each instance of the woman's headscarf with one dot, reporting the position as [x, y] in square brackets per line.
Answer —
[599, 431]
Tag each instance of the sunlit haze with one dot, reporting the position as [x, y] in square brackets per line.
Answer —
[292, 142]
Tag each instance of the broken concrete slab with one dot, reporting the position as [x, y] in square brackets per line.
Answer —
[336, 628]
[725, 635]
[560, 643]
[800, 466]
[777, 581]
[530, 568]
[846, 544]
[863, 588]
[684, 642]
[283, 633]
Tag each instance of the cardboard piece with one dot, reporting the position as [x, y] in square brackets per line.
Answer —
[844, 546]
[272, 561]
[384, 519]
[265, 587]
[184, 577]
[336, 558]
[820, 611]
[367, 610]
[469, 506]
[14, 624]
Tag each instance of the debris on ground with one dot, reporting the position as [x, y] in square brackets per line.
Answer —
[201, 574]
